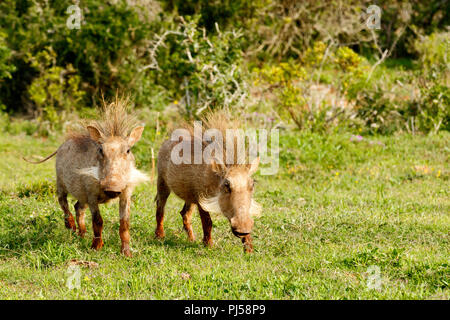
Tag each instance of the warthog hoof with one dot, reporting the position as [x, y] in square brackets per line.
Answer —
[159, 234]
[190, 234]
[248, 248]
[126, 252]
[97, 243]
[70, 224]
[208, 242]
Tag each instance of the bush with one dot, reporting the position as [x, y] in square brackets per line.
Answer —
[106, 53]
[188, 56]
[282, 80]
[56, 88]
[434, 51]
[5, 63]
[297, 86]
[5, 56]
[433, 101]
[376, 108]
[226, 13]
[199, 71]
[434, 113]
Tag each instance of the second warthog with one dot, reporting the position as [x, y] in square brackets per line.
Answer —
[95, 164]
[211, 186]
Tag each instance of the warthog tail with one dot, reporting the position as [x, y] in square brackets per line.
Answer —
[37, 162]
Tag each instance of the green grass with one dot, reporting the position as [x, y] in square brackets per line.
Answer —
[334, 209]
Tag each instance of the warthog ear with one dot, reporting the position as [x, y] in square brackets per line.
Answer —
[217, 167]
[252, 167]
[94, 133]
[135, 135]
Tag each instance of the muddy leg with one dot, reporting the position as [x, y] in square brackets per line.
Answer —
[80, 210]
[68, 217]
[161, 198]
[207, 226]
[186, 213]
[124, 229]
[97, 225]
[247, 241]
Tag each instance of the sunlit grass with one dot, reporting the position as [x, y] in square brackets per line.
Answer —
[335, 208]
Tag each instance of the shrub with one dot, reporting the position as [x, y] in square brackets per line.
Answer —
[433, 101]
[433, 112]
[106, 52]
[5, 63]
[434, 51]
[56, 88]
[298, 90]
[199, 71]
[377, 109]
[5, 56]
[282, 79]
[226, 13]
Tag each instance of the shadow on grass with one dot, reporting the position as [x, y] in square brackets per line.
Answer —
[175, 242]
[22, 234]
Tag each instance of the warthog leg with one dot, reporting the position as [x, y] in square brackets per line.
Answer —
[124, 229]
[68, 217]
[80, 210]
[97, 225]
[186, 213]
[161, 198]
[207, 226]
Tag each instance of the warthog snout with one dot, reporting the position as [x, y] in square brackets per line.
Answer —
[109, 186]
[241, 228]
[239, 234]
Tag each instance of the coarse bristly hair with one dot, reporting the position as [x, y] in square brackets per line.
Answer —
[221, 120]
[115, 121]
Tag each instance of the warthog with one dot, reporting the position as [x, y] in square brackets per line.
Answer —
[213, 186]
[95, 165]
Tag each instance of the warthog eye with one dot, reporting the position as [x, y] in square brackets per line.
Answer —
[128, 151]
[100, 150]
[226, 186]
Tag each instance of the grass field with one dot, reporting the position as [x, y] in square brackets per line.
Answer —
[336, 209]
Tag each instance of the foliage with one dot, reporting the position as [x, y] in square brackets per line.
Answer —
[317, 61]
[434, 113]
[425, 108]
[295, 85]
[200, 71]
[433, 101]
[104, 52]
[434, 52]
[282, 78]
[55, 88]
[226, 13]
[377, 109]
[5, 55]
[5, 65]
